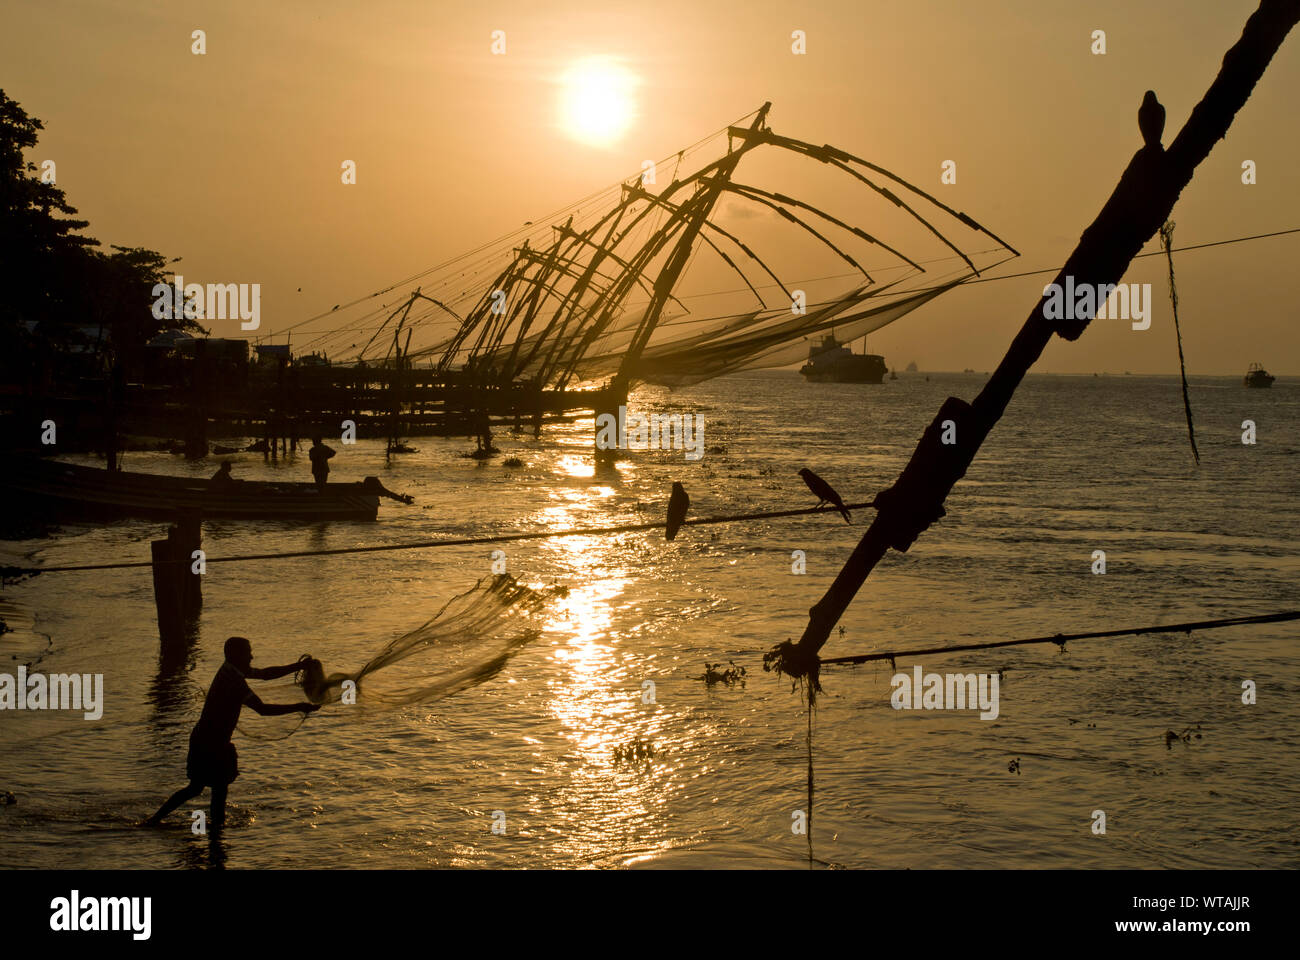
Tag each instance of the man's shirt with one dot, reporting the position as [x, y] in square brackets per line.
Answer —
[227, 695]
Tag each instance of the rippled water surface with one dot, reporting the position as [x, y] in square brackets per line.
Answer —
[1078, 464]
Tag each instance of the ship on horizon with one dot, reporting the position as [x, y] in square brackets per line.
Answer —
[1258, 377]
[832, 362]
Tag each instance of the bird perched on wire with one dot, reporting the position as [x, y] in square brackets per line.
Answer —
[825, 492]
[1151, 120]
[678, 504]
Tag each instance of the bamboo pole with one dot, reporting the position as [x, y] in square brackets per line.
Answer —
[1141, 202]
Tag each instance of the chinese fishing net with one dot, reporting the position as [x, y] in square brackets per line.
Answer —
[470, 639]
[751, 250]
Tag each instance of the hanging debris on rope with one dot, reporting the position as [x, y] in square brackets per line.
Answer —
[1167, 244]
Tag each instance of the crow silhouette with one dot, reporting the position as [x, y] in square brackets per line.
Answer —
[825, 492]
[678, 504]
[1151, 120]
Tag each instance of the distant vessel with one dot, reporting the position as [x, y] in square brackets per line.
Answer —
[911, 367]
[1257, 376]
[893, 374]
[831, 362]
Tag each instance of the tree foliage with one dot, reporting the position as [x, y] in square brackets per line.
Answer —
[56, 284]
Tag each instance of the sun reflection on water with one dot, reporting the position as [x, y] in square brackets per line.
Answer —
[610, 804]
[576, 465]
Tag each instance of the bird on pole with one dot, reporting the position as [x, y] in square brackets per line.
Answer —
[825, 492]
[1151, 121]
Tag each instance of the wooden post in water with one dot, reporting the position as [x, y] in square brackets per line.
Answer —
[177, 589]
[608, 403]
[295, 408]
[187, 536]
[1141, 202]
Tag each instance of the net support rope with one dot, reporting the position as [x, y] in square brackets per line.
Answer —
[1060, 639]
[13, 571]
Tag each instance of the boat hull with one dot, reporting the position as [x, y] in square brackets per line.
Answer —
[860, 368]
[66, 489]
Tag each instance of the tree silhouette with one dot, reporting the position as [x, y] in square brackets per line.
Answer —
[56, 286]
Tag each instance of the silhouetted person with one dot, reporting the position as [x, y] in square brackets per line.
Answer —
[212, 760]
[320, 456]
[483, 430]
[825, 492]
[222, 479]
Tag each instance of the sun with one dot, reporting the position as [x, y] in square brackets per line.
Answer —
[597, 101]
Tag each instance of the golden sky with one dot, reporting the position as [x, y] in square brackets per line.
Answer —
[231, 159]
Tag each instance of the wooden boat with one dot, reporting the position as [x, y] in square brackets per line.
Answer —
[70, 490]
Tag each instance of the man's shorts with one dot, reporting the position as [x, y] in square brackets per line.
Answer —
[211, 765]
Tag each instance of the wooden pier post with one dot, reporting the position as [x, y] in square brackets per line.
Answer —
[538, 411]
[177, 589]
[608, 401]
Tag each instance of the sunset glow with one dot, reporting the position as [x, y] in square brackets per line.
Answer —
[597, 102]
[692, 437]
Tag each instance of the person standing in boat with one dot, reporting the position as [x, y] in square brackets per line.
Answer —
[320, 456]
[212, 760]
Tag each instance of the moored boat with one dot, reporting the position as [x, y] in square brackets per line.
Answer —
[67, 489]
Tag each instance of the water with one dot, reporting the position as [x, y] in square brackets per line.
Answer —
[1078, 464]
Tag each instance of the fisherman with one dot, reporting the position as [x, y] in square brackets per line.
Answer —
[222, 479]
[320, 455]
[212, 760]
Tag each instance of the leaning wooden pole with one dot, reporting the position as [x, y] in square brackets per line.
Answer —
[1142, 201]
